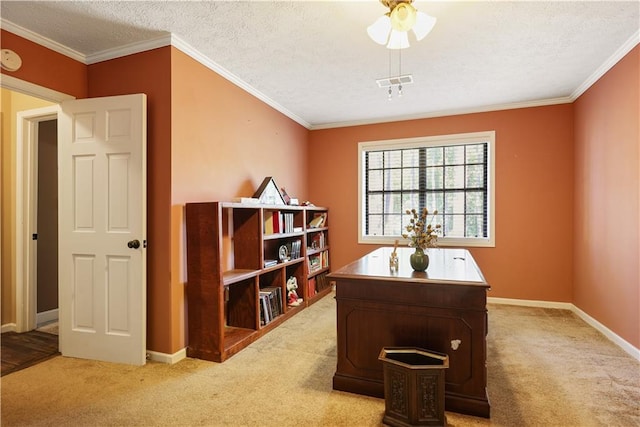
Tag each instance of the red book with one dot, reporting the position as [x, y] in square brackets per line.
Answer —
[277, 222]
[311, 291]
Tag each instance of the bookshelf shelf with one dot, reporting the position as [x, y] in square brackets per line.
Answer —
[317, 229]
[320, 271]
[233, 336]
[317, 251]
[233, 276]
[277, 236]
[239, 259]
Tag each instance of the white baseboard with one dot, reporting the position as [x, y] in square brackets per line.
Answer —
[167, 358]
[619, 341]
[615, 338]
[530, 303]
[46, 317]
[9, 327]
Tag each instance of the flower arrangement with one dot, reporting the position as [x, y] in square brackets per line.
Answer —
[420, 232]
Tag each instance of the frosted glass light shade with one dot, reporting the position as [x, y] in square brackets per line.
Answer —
[391, 28]
[403, 17]
[398, 40]
[379, 30]
[423, 26]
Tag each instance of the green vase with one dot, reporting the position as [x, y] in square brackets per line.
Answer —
[419, 260]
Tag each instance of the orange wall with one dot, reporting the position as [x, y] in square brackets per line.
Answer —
[150, 73]
[225, 142]
[607, 200]
[45, 67]
[534, 194]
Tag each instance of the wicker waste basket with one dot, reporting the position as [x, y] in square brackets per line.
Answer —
[413, 386]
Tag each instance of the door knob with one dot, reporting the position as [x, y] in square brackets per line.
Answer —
[134, 244]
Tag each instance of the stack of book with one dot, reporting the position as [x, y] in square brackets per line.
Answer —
[314, 263]
[276, 222]
[270, 304]
[322, 282]
[318, 241]
[288, 222]
[325, 259]
[294, 249]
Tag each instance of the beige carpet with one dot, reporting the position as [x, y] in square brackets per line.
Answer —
[546, 368]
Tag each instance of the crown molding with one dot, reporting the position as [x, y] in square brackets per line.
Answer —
[444, 113]
[43, 41]
[132, 48]
[129, 49]
[607, 65]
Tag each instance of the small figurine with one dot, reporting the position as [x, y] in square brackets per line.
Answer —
[393, 259]
[293, 300]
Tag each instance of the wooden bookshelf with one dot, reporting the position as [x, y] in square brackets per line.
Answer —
[231, 249]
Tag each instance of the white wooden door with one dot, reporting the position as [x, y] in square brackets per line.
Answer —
[102, 228]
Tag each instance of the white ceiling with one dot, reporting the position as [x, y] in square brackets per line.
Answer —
[313, 60]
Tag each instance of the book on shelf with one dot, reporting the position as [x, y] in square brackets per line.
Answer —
[270, 304]
[314, 263]
[265, 309]
[270, 262]
[322, 282]
[275, 217]
[319, 220]
[288, 222]
[294, 249]
[265, 301]
[275, 298]
[311, 287]
[318, 241]
[268, 222]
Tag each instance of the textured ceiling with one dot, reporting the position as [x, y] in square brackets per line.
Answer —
[314, 61]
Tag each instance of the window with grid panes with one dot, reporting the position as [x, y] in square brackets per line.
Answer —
[451, 173]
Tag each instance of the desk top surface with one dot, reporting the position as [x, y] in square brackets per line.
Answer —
[449, 266]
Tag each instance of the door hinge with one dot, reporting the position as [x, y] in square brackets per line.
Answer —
[34, 236]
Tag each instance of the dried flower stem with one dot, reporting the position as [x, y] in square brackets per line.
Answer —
[420, 232]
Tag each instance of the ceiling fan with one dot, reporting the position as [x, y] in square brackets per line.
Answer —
[392, 27]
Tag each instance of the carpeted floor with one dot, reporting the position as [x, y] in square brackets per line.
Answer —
[545, 368]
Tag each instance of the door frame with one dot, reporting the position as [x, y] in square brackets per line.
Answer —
[26, 214]
[25, 266]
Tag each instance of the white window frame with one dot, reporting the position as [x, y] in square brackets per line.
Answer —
[431, 141]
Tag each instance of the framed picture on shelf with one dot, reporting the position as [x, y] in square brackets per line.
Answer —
[268, 193]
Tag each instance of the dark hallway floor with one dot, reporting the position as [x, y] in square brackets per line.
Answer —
[19, 351]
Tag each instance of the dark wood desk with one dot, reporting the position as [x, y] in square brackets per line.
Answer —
[443, 309]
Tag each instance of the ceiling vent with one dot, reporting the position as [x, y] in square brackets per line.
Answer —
[395, 81]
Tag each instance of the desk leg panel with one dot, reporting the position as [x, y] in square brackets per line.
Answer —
[364, 328]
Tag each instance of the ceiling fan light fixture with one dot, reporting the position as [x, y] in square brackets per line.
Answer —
[398, 40]
[391, 28]
[403, 17]
[379, 30]
[423, 26]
